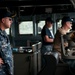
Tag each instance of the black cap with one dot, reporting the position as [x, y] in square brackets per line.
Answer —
[66, 18]
[49, 20]
[4, 12]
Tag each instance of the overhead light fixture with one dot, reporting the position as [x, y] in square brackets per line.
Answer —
[22, 10]
[48, 10]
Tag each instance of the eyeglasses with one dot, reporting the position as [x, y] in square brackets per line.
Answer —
[10, 19]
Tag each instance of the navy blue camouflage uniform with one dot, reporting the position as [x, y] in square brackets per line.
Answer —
[5, 54]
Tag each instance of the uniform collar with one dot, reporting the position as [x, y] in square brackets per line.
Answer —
[2, 32]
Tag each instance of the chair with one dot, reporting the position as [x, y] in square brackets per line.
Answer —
[70, 54]
[63, 68]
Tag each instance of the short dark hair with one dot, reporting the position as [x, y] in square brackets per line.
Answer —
[65, 19]
[48, 19]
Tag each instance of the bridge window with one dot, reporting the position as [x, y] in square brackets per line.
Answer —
[59, 23]
[40, 26]
[26, 27]
[7, 31]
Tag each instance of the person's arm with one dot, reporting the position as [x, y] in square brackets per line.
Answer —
[47, 39]
[1, 60]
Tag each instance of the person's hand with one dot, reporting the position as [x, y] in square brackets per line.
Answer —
[66, 44]
[1, 61]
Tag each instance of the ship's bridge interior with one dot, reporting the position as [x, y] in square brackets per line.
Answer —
[25, 34]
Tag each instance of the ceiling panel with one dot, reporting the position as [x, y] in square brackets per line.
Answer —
[32, 7]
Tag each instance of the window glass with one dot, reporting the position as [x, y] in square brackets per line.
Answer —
[7, 31]
[40, 26]
[59, 23]
[26, 27]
